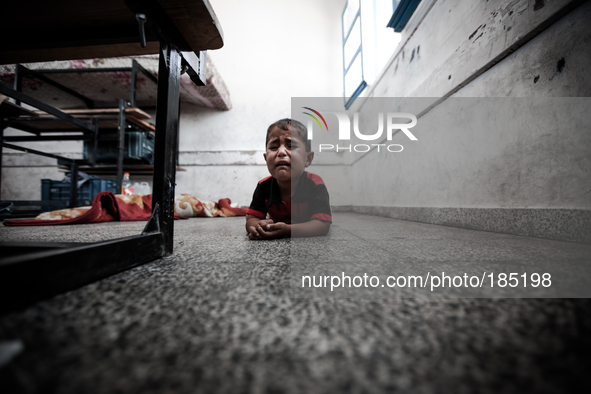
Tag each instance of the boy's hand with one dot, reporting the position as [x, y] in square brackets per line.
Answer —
[257, 229]
[276, 230]
[266, 229]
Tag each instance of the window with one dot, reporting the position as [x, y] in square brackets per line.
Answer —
[353, 80]
[368, 43]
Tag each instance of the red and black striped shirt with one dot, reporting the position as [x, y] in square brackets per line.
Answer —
[309, 202]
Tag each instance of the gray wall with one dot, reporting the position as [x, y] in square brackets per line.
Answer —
[534, 182]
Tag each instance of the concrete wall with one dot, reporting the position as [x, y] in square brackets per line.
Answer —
[489, 49]
[274, 50]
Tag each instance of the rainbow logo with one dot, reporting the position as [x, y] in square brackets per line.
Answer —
[315, 118]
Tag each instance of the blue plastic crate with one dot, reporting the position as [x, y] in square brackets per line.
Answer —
[60, 191]
[139, 149]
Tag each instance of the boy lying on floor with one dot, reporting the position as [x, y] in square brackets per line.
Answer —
[289, 189]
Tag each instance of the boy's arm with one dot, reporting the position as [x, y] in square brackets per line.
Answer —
[257, 210]
[309, 229]
[252, 222]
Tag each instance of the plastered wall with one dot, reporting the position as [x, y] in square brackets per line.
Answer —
[478, 49]
[273, 50]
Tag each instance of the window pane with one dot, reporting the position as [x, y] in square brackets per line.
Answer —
[349, 14]
[354, 77]
[352, 44]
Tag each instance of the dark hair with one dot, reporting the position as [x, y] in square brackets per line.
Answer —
[296, 128]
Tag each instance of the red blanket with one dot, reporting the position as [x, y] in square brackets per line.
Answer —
[107, 207]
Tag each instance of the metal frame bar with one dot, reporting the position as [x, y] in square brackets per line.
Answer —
[135, 68]
[2, 127]
[18, 80]
[30, 138]
[121, 137]
[165, 146]
[92, 156]
[34, 276]
[195, 65]
[37, 152]
[34, 203]
[25, 71]
[17, 124]
[45, 107]
[73, 185]
[82, 70]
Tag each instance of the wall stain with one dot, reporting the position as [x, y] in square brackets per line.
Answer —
[476, 31]
[559, 68]
[560, 65]
[536, 79]
[538, 5]
[509, 7]
[412, 56]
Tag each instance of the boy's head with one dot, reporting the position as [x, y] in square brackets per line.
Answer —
[287, 149]
[296, 128]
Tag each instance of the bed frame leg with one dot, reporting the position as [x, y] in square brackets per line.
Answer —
[165, 147]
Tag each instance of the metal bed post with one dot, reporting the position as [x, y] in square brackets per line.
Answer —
[121, 145]
[134, 69]
[18, 81]
[93, 148]
[1, 149]
[73, 185]
[167, 124]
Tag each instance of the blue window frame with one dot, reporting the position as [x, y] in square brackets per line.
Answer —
[353, 77]
[366, 43]
[403, 10]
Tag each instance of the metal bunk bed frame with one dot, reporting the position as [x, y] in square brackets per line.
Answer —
[30, 272]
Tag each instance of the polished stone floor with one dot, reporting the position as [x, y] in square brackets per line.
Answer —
[225, 314]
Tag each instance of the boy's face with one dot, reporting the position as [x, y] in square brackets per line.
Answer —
[286, 157]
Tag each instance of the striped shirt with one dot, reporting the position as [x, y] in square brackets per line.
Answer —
[309, 202]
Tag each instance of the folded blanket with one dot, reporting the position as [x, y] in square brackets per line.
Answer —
[107, 207]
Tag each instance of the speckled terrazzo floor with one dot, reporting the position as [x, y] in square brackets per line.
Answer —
[218, 316]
